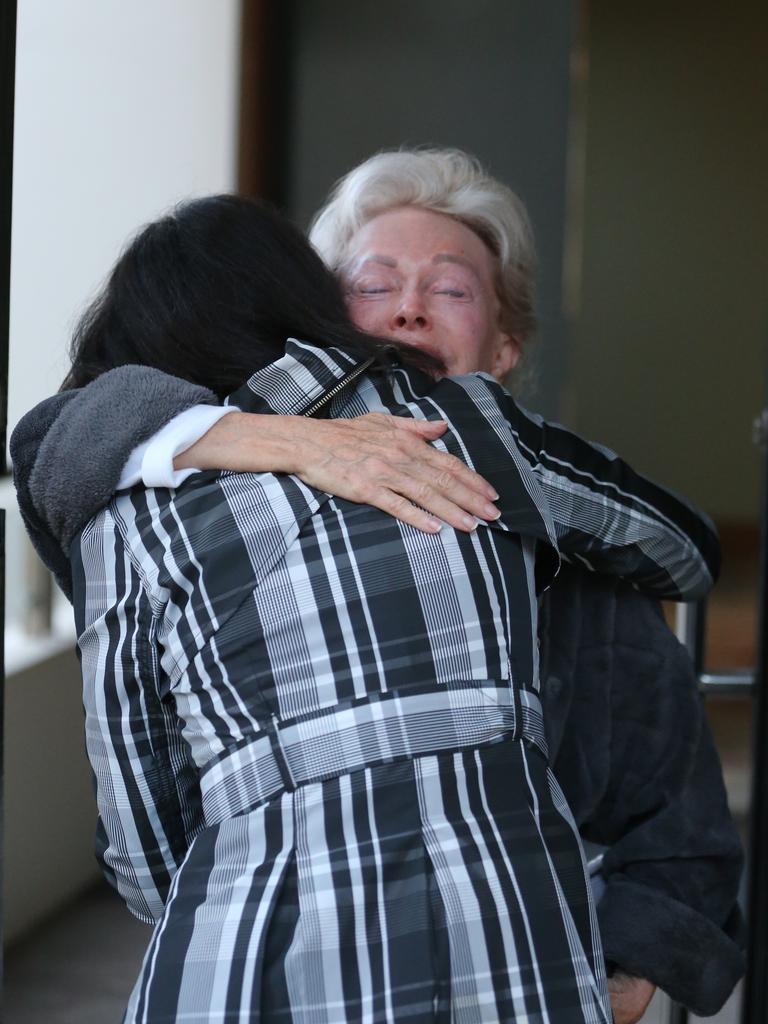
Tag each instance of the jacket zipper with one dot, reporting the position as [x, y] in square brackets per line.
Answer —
[339, 386]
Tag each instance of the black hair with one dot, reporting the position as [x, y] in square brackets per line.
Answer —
[211, 292]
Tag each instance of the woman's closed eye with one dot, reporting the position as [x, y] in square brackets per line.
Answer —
[452, 289]
[371, 286]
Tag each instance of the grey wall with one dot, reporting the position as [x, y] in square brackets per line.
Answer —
[489, 76]
[668, 363]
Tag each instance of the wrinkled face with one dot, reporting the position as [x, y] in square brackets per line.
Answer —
[427, 279]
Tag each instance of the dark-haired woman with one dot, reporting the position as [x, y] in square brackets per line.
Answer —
[315, 731]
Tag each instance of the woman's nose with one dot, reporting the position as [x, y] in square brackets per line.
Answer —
[411, 314]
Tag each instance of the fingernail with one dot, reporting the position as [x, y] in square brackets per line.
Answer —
[491, 512]
[470, 522]
[435, 524]
[493, 495]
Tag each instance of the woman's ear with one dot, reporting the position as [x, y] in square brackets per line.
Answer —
[506, 356]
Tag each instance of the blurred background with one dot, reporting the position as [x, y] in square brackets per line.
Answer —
[637, 134]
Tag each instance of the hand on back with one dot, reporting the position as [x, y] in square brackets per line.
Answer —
[379, 460]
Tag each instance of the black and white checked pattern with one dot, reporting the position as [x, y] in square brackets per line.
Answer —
[316, 734]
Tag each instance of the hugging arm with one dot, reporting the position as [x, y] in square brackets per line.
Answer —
[69, 456]
[25, 444]
[146, 784]
[612, 519]
[70, 452]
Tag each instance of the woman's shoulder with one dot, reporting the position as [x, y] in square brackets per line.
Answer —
[215, 520]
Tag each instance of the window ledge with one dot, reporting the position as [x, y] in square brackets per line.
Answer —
[23, 651]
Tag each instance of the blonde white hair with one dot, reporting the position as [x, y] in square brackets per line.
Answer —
[446, 181]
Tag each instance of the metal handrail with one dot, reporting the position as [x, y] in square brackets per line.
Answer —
[735, 683]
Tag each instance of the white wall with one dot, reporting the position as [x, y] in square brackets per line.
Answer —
[122, 109]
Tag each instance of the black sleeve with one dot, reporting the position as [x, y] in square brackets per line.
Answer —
[68, 452]
[675, 858]
[639, 767]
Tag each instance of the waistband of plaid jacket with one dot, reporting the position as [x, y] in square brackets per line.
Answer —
[371, 731]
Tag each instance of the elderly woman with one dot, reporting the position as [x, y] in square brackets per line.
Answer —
[346, 755]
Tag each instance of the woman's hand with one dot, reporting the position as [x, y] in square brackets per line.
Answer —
[630, 997]
[380, 460]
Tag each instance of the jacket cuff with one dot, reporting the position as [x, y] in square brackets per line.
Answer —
[651, 935]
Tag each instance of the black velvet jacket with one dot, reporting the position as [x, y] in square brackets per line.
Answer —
[628, 737]
[633, 751]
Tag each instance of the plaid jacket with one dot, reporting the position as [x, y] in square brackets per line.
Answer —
[160, 576]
